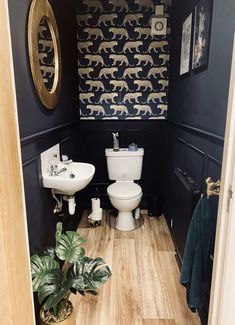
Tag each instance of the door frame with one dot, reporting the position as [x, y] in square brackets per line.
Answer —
[15, 278]
[16, 297]
[223, 279]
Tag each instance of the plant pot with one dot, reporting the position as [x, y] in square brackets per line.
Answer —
[68, 321]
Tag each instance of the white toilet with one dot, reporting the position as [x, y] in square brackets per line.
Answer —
[124, 167]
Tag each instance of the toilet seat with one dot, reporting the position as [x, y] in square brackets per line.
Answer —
[124, 190]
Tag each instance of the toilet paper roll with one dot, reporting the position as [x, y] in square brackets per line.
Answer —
[95, 204]
[96, 215]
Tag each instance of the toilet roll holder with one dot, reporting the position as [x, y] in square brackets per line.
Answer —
[95, 218]
[93, 223]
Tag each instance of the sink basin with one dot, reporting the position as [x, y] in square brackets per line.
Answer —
[74, 178]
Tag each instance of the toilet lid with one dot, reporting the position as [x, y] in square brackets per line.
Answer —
[124, 190]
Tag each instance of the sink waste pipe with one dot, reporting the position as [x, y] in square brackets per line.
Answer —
[59, 202]
[71, 203]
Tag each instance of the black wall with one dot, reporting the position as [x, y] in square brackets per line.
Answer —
[40, 128]
[197, 106]
[198, 101]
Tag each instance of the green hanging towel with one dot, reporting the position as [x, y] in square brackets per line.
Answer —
[195, 270]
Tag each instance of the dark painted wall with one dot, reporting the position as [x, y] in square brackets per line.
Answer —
[123, 69]
[40, 128]
[200, 99]
[197, 106]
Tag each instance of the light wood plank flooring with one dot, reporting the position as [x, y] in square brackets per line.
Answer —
[144, 287]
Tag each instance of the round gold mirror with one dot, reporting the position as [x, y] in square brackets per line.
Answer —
[44, 52]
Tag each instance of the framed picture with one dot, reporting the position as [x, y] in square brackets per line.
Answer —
[201, 39]
[186, 45]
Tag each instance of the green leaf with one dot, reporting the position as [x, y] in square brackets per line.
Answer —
[101, 275]
[49, 251]
[59, 307]
[93, 292]
[53, 283]
[88, 274]
[41, 266]
[46, 291]
[78, 283]
[68, 246]
[58, 295]
[91, 264]
[59, 228]
[91, 284]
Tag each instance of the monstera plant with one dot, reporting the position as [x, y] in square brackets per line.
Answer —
[54, 281]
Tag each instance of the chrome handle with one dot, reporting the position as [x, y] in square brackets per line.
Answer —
[64, 158]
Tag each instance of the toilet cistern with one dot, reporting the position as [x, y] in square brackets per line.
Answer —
[115, 142]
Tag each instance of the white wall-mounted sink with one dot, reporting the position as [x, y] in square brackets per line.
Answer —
[64, 177]
[70, 178]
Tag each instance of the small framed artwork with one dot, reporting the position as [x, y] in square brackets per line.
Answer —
[201, 39]
[186, 45]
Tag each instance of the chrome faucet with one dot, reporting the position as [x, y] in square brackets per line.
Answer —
[115, 142]
[66, 160]
[55, 171]
[60, 171]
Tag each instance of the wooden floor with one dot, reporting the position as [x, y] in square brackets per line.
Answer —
[144, 287]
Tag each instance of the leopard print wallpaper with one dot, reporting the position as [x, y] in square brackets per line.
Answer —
[123, 69]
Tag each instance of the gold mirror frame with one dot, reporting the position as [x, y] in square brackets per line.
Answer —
[40, 9]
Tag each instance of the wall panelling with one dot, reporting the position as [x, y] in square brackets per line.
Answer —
[39, 128]
[95, 136]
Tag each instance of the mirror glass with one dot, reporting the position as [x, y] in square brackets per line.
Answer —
[46, 54]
